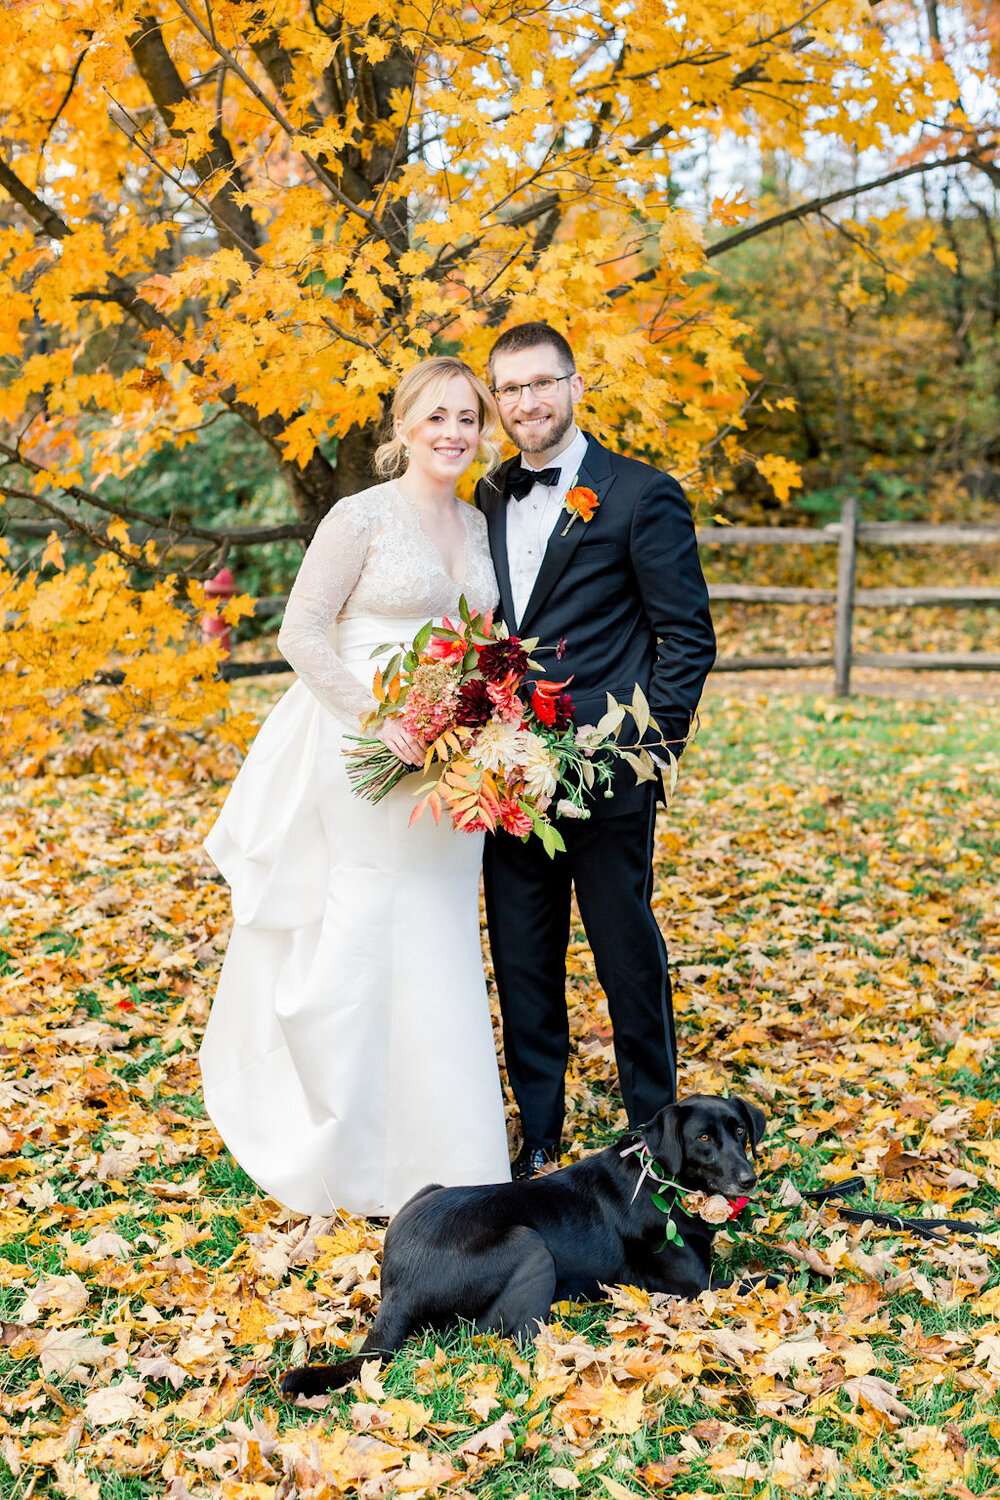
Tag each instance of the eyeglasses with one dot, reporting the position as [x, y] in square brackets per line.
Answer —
[543, 386]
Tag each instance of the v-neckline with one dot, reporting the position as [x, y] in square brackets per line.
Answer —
[412, 505]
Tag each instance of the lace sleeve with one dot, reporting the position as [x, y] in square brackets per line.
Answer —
[330, 569]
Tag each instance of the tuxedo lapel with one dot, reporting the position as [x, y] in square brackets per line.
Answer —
[595, 474]
[493, 503]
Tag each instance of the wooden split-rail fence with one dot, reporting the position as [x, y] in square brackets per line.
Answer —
[846, 535]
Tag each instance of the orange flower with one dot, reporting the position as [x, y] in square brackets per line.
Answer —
[580, 502]
[444, 650]
[514, 819]
[551, 704]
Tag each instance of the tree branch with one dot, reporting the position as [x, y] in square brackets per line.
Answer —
[276, 61]
[69, 92]
[167, 90]
[163, 530]
[322, 175]
[57, 229]
[46, 218]
[105, 543]
[228, 236]
[816, 205]
[314, 484]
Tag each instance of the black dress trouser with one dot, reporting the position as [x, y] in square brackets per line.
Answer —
[609, 862]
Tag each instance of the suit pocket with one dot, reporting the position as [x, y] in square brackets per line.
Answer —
[603, 552]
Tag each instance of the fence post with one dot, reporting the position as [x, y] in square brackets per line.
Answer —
[846, 557]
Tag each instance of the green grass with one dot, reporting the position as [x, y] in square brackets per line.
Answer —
[848, 857]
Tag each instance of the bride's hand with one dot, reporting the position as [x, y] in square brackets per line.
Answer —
[411, 751]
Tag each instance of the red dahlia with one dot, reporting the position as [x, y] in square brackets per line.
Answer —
[553, 707]
[564, 711]
[475, 707]
[500, 658]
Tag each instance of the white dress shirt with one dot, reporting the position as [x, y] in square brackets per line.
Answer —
[531, 521]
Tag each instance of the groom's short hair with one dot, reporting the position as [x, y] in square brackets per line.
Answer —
[531, 336]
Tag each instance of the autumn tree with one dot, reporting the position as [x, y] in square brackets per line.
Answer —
[874, 374]
[272, 209]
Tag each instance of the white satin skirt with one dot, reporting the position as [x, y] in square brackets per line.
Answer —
[349, 1057]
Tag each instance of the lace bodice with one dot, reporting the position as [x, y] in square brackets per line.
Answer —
[372, 556]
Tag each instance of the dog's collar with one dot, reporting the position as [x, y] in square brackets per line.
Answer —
[650, 1168]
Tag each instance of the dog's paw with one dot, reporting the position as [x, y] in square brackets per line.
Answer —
[308, 1380]
[317, 1380]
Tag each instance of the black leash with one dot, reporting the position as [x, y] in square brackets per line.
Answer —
[927, 1229]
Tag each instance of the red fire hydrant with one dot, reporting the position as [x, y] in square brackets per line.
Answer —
[221, 587]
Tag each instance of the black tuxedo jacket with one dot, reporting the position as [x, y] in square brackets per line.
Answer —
[625, 591]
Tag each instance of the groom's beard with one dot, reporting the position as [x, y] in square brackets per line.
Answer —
[540, 439]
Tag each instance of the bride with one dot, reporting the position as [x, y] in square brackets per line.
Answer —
[349, 1058]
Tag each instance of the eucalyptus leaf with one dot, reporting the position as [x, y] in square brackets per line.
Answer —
[641, 764]
[640, 710]
[674, 768]
[611, 722]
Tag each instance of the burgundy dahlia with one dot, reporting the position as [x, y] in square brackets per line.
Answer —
[475, 706]
[500, 658]
[564, 711]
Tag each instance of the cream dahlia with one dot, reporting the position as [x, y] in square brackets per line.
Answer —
[538, 766]
[496, 747]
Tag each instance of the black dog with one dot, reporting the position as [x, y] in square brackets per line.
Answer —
[500, 1255]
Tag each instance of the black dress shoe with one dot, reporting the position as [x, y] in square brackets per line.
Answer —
[531, 1161]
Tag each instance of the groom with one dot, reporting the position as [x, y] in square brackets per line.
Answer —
[622, 596]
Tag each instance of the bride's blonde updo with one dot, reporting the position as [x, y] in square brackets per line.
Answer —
[420, 392]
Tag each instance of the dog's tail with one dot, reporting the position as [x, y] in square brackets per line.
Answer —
[316, 1380]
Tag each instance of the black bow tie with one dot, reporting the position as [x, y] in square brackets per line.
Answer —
[520, 480]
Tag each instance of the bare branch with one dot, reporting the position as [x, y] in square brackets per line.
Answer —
[653, 138]
[816, 205]
[74, 75]
[107, 544]
[802, 211]
[122, 511]
[158, 529]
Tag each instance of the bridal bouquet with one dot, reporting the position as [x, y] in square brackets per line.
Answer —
[501, 752]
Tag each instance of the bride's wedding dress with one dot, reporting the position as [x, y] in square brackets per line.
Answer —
[349, 1056]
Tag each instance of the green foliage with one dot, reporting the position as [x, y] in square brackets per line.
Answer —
[888, 346]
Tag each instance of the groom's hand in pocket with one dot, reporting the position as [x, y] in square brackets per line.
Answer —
[409, 749]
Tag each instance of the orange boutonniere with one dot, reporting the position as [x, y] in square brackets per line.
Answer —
[579, 502]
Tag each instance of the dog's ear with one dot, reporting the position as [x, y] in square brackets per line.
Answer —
[663, 1138]
[755, 1118]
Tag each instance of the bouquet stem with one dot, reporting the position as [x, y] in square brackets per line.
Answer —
[372, 768]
